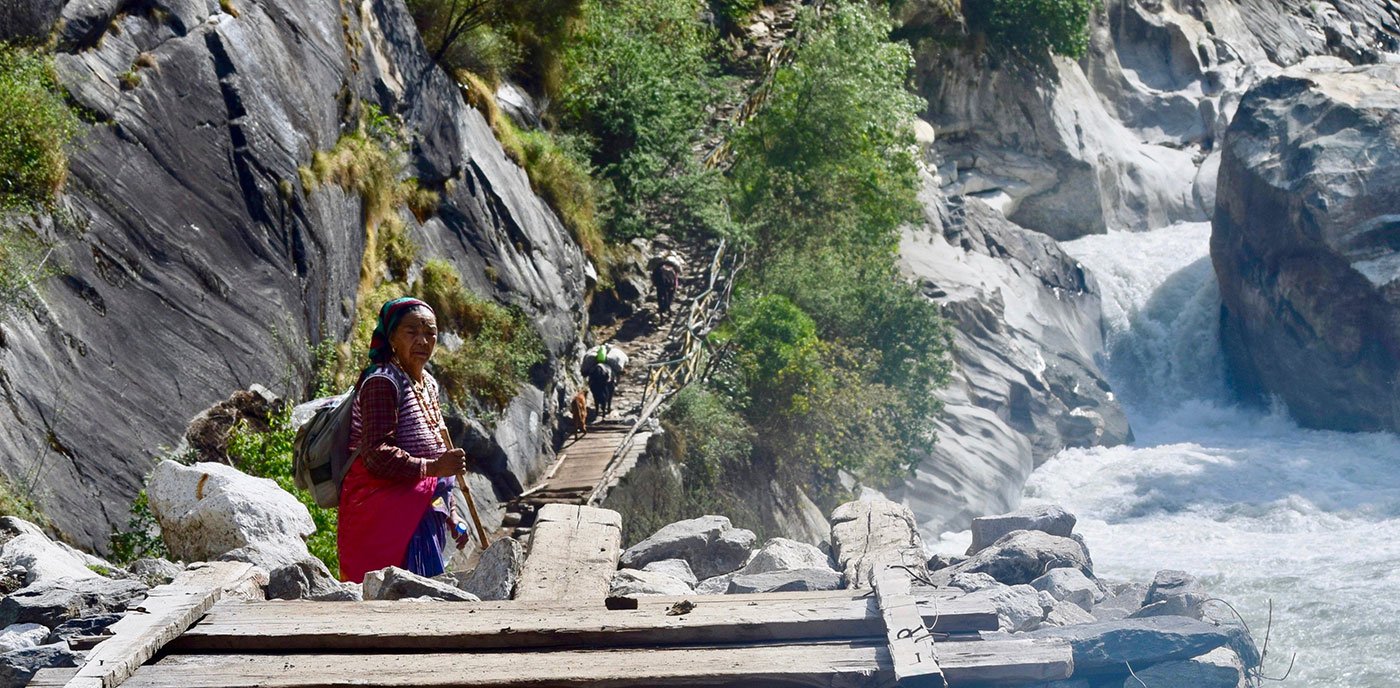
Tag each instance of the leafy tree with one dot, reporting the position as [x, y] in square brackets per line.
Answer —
[1034, 26]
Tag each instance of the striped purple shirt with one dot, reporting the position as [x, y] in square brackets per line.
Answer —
[405, 440]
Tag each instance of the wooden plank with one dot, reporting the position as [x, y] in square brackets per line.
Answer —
[573, 555]
[910, 641]
[864, 664]
[52, 678]
[406, 625]
[165, 613]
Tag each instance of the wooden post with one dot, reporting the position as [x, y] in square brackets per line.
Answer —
[911, 643]
[573, 555]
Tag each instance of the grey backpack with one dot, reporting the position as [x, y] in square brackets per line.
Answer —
[321, 451]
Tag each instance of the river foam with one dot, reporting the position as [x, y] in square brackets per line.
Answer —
[1257, 507]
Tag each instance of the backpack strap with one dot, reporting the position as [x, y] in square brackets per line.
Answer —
[398, 399]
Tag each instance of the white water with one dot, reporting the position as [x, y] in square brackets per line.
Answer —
[1257, 507]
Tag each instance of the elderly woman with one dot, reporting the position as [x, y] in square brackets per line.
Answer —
[395, 501]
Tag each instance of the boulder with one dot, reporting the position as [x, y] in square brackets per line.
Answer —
[1067, 614]
[496, 571]
[717, 585]
[1219, 668]
[26, 546]
[153, 571]
[1021, 557]
[52, 602]
[1119, 601]
[786, 580]
[1105, 646]
[1071, 585]
[394, 583]
[675, 568]
[1303, 245]
[1047, 518]
[209, 511]
[943, 561]
[782, 554]
[208, 434]
[88, 625]
[867, 535]
[633, 582]
[16, 668]
[972, 582]
[709, 544]
[22, 635]
[1018, 606]
[1173, 593]
[305, 580]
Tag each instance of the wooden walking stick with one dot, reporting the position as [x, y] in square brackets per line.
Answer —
[467, 495]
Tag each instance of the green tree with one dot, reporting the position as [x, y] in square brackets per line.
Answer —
[1034, 26]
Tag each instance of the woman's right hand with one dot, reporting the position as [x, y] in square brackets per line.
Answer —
[448, 464]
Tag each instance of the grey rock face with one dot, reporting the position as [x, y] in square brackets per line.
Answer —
[185, 220]
[496, 573]
[675, 568]
[1303, 245]
[1018, 606]
[51, 603]
[1025, 385]
[154, 572]
[632, 582]
[1070, 585]
[709, 544]
[394, 583]
[22, 20]
[1021, 557]
[16, 668]
[1104, 647]
[1046, 519]
[786, 580]
[868, 535]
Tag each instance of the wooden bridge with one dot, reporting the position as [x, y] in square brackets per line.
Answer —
[561, 630]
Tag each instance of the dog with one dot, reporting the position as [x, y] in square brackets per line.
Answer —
[579, 407]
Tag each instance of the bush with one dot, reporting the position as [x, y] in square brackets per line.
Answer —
[1034, 26]
[19, 503]
[35, 128]
[141, 539]
[498, 347]
[269, 455]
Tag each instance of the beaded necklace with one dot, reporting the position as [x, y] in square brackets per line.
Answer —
[433, 412]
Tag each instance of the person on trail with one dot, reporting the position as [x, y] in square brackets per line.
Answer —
[613, 361]
[664, 278]
[396, 499]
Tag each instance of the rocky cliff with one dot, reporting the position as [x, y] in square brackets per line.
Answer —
[1306, 244]
[194, 262]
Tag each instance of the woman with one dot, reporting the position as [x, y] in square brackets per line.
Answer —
[395, 501]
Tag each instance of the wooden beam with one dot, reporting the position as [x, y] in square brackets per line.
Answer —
[573, 555]
[426, 626]
[165, 613]
[834, 664]
[910, 641]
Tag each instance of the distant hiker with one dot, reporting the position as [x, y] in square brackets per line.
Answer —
[611, 359]
[396, 499]
[579, 407]
[664, 279]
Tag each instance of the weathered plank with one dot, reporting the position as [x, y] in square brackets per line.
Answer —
[573, 554]
[855, 664]
[165, 613]
[910, 641]
[407, 625]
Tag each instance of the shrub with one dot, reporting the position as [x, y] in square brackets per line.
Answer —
[1034, 26]
[269, 455]
[35, 128]
[498, 347]
[25, 259]
[141, 538]
[19, 503]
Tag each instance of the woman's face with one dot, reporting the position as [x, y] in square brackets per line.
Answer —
[414, 339]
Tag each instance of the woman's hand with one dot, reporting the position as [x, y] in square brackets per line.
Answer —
[448, 464]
